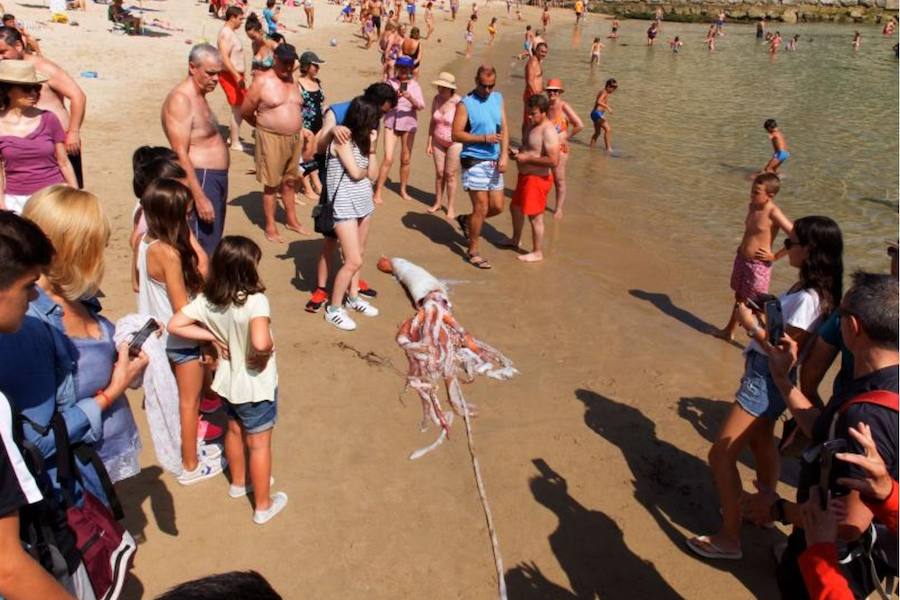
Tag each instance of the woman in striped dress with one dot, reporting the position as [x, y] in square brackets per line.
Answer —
[351, 169]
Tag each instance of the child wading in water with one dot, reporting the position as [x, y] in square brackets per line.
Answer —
[752, 268]
[778, 145]
[234, 314]
[601, 110]
[596, 46]
[168, 273]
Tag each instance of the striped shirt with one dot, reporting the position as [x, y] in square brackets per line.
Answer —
[352, 199]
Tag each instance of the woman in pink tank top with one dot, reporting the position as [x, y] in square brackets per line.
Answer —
[441, 147]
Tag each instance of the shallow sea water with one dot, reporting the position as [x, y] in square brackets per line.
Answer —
[687, 128]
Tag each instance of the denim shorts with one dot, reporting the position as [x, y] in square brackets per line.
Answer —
[254, 417]
[758, 394]
[179, 356]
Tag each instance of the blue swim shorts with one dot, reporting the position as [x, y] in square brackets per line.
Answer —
[254, 417]
[482, 176]
[758, 394]
[781, 155]
[596, 115]
[179, 356]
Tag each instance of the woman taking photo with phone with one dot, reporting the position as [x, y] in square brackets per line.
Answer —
[814, 248]
[400, 125]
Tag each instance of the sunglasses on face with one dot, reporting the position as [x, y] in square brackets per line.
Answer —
[553, 92]
[29, 88]
[486, 86]
[789, 243]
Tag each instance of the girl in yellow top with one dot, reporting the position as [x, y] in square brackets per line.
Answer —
[492, 31]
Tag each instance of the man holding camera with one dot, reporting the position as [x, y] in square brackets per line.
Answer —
[869, 326]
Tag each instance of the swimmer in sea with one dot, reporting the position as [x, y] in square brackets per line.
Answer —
[781, 153]
[676, 45]
[600, 112]
[545, 17]
[614, 30]
[720, 23]
[792, 44]
[595, 51]
[711, 38]
[857, 40]
[652, 32]
[775, 43]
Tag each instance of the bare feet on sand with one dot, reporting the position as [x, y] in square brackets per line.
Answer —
[298, 228]
[531, 257]
[434, 208]
[274, 236]
[406, 196]
[510, 244]
[377, 199]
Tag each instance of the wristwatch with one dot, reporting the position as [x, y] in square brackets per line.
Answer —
[752, 332]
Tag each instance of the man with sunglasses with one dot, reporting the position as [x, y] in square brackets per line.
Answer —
[59, 88]
[480, 125]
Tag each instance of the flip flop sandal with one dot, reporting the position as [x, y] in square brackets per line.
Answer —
[479, 262]
[703, 546]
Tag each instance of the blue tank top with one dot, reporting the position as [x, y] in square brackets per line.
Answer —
[485, 117]
[340, 112]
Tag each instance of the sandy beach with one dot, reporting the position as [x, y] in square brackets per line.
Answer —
[594, 458]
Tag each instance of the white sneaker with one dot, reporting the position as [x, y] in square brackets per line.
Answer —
[205, 470]
[239, 491]
[209, 452]
[339, 318]
[360, 305]
[279, 501]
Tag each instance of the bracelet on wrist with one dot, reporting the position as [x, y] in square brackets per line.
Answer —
[753, 331]
[104, 397]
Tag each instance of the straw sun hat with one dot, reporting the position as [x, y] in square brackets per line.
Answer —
[445, 80]
[20, 71]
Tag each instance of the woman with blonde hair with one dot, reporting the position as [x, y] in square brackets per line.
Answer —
[64, 360]
[441, 148]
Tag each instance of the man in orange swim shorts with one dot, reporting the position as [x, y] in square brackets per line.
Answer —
[232, 76]
[536, 158]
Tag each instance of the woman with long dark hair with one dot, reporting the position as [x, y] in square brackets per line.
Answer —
[351, 169]
[815, 248]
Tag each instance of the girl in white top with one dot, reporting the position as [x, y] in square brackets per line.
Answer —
[168, 276]
[815, 248]
[233, 314]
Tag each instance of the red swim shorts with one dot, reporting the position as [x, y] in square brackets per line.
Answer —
[234, 93]
[750, 278]
[531, 193]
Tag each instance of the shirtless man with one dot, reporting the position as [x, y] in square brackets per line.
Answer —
[272, 105]
[232, 77]
[59, 88]
[31, 43]
[376, 8]
[536, 158]
[193, 133]
[534, 79]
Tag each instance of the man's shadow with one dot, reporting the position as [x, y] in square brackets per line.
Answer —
[664, 304]
[590, 549]
[252, 205]
[305, 254]
[676, 488]
[437, 229]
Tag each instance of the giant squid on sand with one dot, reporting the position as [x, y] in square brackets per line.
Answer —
[439, 349]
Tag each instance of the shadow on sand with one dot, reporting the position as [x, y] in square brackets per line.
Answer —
[676, 488]
[590, 549]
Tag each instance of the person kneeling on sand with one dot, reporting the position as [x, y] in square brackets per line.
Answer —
[535, 159]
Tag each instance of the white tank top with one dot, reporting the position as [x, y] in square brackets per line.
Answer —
[153, 299]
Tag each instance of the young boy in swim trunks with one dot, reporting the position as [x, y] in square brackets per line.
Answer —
[527, 44]
[535, 159]
[753, 262]
[778, 145]
[601, 110]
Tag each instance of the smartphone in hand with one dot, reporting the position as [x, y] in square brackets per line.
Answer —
[774, 321]
[149, 328]
[403, 86]
[831, 469]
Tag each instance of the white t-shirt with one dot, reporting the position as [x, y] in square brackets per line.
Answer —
[799, 309]
[231, 324]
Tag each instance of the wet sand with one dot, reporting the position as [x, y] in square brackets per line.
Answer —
[593, 458]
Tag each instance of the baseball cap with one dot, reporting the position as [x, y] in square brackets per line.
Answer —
[405, 61]
[286, 53]
[310, 58]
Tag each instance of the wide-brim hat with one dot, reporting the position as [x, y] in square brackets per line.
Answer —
[555, 84]
[445, 80]
[20, 71]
